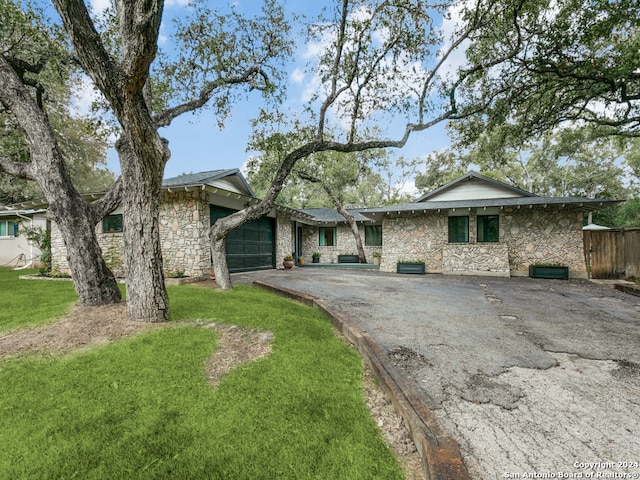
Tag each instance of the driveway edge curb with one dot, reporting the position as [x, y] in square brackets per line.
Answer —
[441, 458]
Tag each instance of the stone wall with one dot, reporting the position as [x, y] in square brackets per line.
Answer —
[419, 236]
[479, 258]
[184, 233]
[527, 235]
[345, 244]
[184, 238]
[543, 235]
[284, 237]
[110, 244]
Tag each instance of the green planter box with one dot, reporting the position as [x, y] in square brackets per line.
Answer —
[348, 259]
[539, 271]
[417, 268]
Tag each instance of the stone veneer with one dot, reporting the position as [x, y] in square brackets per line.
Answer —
[416, 236]
[284, 237]
[527, 236]
[184, 237]
[481, 258]
[345, 244]
[544, 235]
[185, 233]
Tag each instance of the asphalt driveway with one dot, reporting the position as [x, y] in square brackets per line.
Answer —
[533, 378]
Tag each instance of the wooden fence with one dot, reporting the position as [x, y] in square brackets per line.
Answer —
[612, 253]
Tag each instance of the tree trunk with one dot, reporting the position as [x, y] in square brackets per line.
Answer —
[354, 229]
[219, 259]
[93, 281]
[219, 231]
[76, 218]
[147, 299]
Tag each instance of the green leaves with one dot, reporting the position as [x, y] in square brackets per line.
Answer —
[214, 51]
[571, 60]
[39, 53]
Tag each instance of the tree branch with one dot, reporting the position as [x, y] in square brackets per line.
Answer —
[17, 169]
[92, 55]
[335, 68]
[139, 27]
[165, 117]
[109, 202]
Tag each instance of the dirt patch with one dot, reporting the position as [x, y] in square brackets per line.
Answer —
[85, 327]
[236, 346]
[81, 327]
[392, 428]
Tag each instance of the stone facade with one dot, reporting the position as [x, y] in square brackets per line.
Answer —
[481, 258]
[345, 244]
[527, 236]
[184, 237]
[284, 237]
[417, 236]
[544, 235]
[184, 233]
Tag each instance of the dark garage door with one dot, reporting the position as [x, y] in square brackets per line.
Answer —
[250, 246]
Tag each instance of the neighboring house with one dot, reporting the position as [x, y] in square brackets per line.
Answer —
[190, 204]
[15, 249]
[473, 225]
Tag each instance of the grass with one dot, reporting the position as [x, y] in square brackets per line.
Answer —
[31, 302]
[142, 408]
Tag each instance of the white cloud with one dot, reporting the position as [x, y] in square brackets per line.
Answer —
[176, 3]
[98, 7]
[408, 187]
[83, 97]
[451, 24]
[297, 76]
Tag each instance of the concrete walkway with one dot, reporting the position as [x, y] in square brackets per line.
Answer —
[533, 378]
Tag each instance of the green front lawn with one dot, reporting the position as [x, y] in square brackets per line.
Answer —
[31, 302]
[142, 407]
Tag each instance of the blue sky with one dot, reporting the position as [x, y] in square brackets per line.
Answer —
[195, 140]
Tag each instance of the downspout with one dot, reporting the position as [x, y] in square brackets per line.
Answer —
[30, 243]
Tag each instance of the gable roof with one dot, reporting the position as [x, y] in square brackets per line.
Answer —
[484, 188]
[214, 178]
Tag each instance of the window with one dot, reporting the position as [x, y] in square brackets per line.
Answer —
[373, 236]
[112, 224]
[488, 228]
[458, 229]
[327, 237]
[8, 228]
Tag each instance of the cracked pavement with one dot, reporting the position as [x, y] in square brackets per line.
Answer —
[529, 376]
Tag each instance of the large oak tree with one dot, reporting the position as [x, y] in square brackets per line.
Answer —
[219, 52]
[35, 77]
[379, 62]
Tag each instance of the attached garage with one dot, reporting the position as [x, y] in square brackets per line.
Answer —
[250, 246]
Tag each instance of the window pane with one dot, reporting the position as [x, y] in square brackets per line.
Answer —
[112, 224]
[327, 236]
[3, 228]
[458, 229]
[373, 236]
[488, 228]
